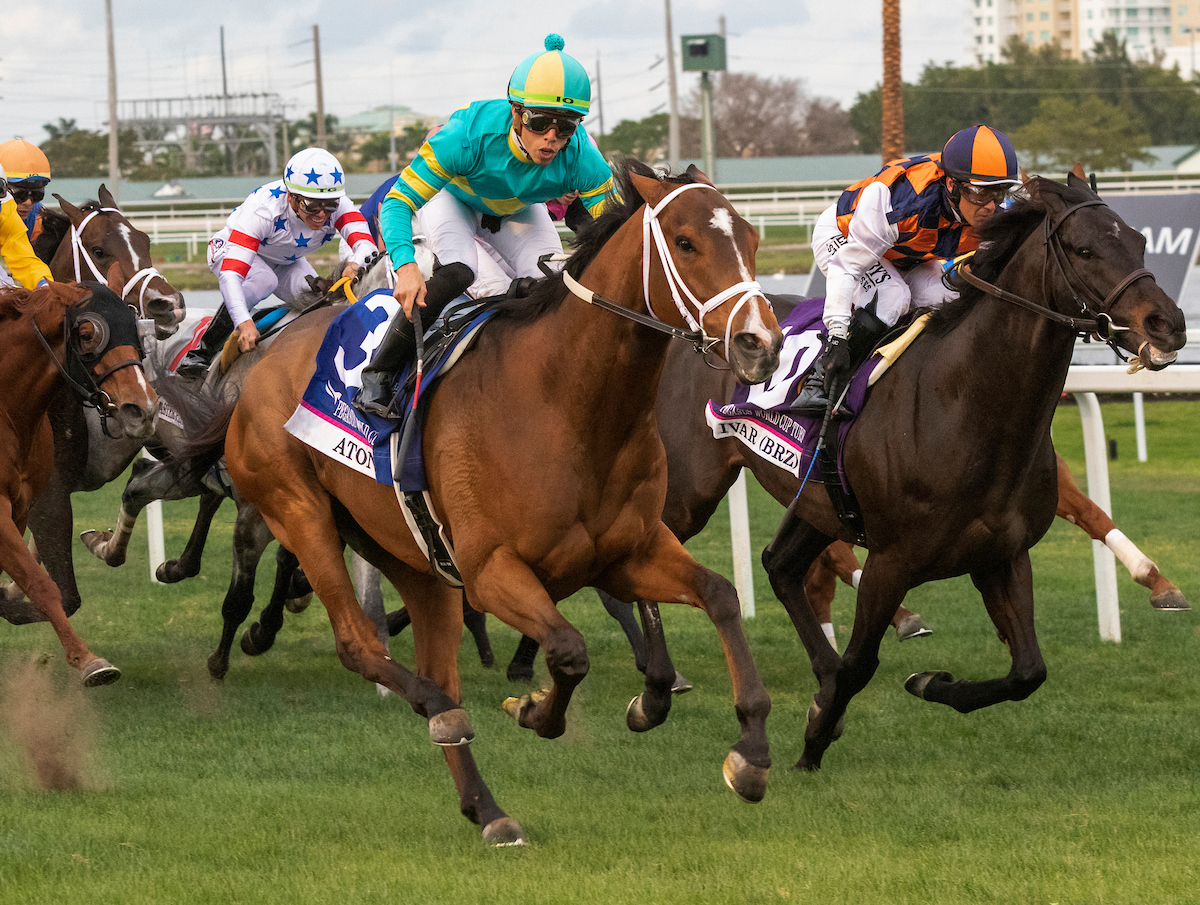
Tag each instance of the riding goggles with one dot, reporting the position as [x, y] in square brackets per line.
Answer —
[313, 206]
[22, 195]
[984, 194]
[540, 123]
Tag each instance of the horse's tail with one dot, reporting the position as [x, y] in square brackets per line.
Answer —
[205, 416]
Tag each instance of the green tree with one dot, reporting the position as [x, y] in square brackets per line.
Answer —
[1101, 135]
[82, 153]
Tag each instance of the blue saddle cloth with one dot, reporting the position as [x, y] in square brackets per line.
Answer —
[760, 415]
[326, 420]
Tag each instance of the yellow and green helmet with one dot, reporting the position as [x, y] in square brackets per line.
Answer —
[551, 80]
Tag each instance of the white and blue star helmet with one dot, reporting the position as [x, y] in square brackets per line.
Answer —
[315, 173]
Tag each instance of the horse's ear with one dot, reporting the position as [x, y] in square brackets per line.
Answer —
[74, 213]
[651, 190]
[1025, 177]
[1078, 179]
[1077, 171]
[697, 174]
[113, 278]
[106, 198]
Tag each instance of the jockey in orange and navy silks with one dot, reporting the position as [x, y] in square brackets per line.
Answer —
[885, 244]
[891, 234]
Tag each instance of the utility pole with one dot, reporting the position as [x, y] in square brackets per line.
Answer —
[320, 88]
[673, 99]
[599, 95]
[892, 136]
[225, 106]
[393, 157]
[114, 165]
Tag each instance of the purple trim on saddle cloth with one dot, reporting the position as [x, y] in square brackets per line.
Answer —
[759, 416]
[325, 418]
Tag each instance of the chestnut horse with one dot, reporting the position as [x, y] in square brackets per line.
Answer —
[92, 241]
[543, 462]
[85, 337]
[951, 459]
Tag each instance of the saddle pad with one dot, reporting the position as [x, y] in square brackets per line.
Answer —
[760, 415]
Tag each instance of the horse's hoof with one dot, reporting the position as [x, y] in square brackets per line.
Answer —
[748, 782]
[919, 681]
[814, 711]
[1171, 601]
[250, 647]
[169, 572]
[298, 604]
[97, 542]
[520, 672]
[680, 685]
[487, 659]
[99, 672]
[451, 728]
[515, 707]
[635, 716]
[912, 626]
[218, 666]
[20, 611]
[503, 831]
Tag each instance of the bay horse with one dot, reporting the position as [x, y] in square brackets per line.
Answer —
[85, 337]
[543, 462]
[951, 458]
[92, 241]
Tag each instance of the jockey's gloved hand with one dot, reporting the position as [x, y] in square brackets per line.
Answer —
[836, 361]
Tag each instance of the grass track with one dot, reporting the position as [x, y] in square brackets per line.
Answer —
[293, 782]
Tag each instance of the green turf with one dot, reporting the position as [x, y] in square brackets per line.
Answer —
[293, 782]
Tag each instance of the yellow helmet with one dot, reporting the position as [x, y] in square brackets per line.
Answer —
[24, 163]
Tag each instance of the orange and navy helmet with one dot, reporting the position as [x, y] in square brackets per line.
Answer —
[25, 163]
[981, 156]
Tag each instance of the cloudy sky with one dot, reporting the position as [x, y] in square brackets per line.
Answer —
[432, 57]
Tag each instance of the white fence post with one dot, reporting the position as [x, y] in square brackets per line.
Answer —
[1139, 425]
[1105, 564]
[739, 535]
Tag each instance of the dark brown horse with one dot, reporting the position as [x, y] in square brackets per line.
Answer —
[544, 463]
[92, 241]
[951, 458]
[83, 336]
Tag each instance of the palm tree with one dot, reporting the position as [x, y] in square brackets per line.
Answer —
[893, 86]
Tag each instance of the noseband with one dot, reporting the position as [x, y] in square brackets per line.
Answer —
[651, 228]
[143, 276]
[1100, 322]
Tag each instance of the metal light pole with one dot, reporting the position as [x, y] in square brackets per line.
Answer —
[706, 124]
[673, 99]
[114, 166]
[320, 87]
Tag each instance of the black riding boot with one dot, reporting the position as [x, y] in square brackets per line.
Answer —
[196, 362]
[866, 329]
[400, 342]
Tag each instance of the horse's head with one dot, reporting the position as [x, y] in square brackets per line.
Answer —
[701, 271]
[102, 358]
[101, 237]
[1095, 257]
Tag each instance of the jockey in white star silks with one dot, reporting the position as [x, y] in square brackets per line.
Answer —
[262, 249]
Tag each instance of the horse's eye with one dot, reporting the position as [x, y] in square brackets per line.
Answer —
[1085, 253]
[89, 338]
[98, 252]
[683, 243]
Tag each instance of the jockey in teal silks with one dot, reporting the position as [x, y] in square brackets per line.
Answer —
[489, 173]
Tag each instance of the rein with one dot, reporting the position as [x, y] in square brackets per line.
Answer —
[143, 276]
[651, 228]
[93, 395]
[1100, 324]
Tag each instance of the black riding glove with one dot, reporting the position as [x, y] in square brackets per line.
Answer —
[836, 361]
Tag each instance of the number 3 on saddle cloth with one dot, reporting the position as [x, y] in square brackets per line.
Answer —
[761, 417]
[326, 420]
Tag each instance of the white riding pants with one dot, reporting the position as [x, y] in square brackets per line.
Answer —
[263, 279]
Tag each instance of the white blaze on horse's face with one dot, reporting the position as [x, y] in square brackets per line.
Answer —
[133, 255]
[1115, 230]
[722, 220]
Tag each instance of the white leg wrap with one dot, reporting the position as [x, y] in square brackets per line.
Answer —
[827, 628]
[125, 523]
[856, 578]
[1138, 564]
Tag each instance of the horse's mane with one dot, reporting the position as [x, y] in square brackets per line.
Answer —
[17, 302]
[55, 227]
[999, 240]
[548, 294]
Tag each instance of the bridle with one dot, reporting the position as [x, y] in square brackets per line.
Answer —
[680, 293]
[88, 388]
[78, 250]
[1099, 323]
